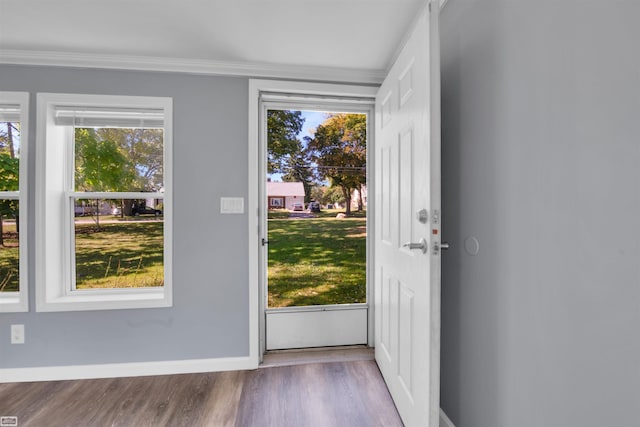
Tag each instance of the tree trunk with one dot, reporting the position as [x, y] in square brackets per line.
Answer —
[307, 191]
[360, 202]
[128, 207]
[12, 150]
[1, 231]
[347, 199]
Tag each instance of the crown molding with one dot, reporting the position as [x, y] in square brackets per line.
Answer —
[191, 66]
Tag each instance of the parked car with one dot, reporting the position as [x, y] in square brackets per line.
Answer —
[140, 209]
[314, 207]
[330, 206]
[298, 206]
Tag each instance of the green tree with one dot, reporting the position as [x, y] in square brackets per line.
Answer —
[9, 172]
[144, 149]
[327, 195]
[283, 127]
[100, 165]
[298, 169]
[318, 194]
[9, 181]
[9, 134]
[339, 148]
[334, 195]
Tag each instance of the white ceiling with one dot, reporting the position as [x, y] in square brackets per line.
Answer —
[351, 35]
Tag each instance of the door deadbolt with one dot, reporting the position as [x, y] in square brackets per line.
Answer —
[422, 216]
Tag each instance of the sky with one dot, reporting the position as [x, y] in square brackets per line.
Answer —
[311, 122]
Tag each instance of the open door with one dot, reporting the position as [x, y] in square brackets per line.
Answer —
[407, 236]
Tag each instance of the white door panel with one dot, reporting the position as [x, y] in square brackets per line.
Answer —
[407, 297]
[316, 327]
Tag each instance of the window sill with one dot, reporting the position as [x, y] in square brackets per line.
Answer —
[12, 302]
[106, 300]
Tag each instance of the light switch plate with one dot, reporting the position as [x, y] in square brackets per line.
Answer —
[231, 205]
[17, 334]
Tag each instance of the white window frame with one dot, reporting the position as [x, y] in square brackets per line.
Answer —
[19, 301]
[54, 211]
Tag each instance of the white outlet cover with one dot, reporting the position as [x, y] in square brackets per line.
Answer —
[17, 334]
[231, 205]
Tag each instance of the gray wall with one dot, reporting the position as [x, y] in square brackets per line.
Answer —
[541, 161]
[209, 317]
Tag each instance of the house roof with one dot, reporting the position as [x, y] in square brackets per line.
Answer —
[285, 189]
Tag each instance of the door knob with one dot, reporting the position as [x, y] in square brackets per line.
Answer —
[422, 245]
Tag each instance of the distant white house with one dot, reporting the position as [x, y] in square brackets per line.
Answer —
[283, 195]
[355, 197]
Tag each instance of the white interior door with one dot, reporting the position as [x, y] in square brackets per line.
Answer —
[407, 289]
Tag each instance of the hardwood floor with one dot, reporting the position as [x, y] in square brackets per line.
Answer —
[349, 393]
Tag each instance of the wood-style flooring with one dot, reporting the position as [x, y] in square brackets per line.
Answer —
[346, 393]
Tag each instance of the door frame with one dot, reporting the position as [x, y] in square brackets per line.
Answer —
[294, 93]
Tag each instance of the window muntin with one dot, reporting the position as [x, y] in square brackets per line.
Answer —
[117, 201]
[13, 163]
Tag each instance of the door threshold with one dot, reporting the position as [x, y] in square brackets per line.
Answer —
[305, 356]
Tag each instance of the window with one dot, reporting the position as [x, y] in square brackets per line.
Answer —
[14, 110]
[104, 193]
[276, 202]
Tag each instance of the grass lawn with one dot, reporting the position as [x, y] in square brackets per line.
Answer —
[125, 254]
[278, 214]
[120, 255]
[317, 261]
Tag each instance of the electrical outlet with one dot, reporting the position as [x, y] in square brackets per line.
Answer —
[17, 334]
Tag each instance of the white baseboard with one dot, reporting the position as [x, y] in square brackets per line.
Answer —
[112, 370]
[444, 420]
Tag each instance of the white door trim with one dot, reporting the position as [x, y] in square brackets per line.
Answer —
[256, 309]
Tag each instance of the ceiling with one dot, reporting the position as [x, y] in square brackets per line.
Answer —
[351, 36]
